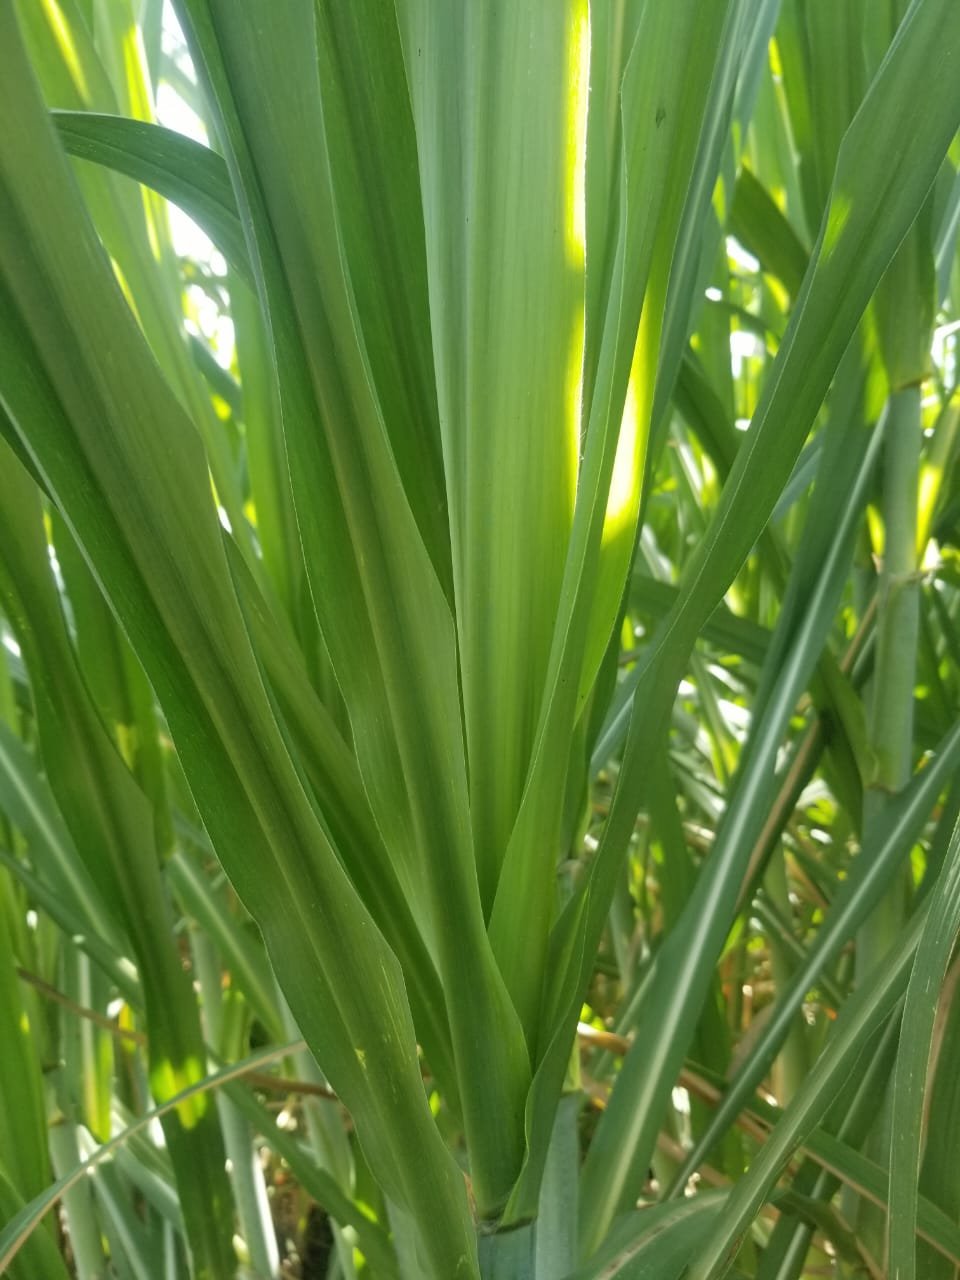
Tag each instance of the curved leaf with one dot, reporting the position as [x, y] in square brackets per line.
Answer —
[187, 173]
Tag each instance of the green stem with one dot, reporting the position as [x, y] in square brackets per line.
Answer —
[78, 1206]
[246, 1176]
[792, 1065]
[891, 706]
[507, 1255]
[556, 1227]
[891, 709]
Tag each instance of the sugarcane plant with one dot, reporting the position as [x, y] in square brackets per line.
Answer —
[481, 639]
